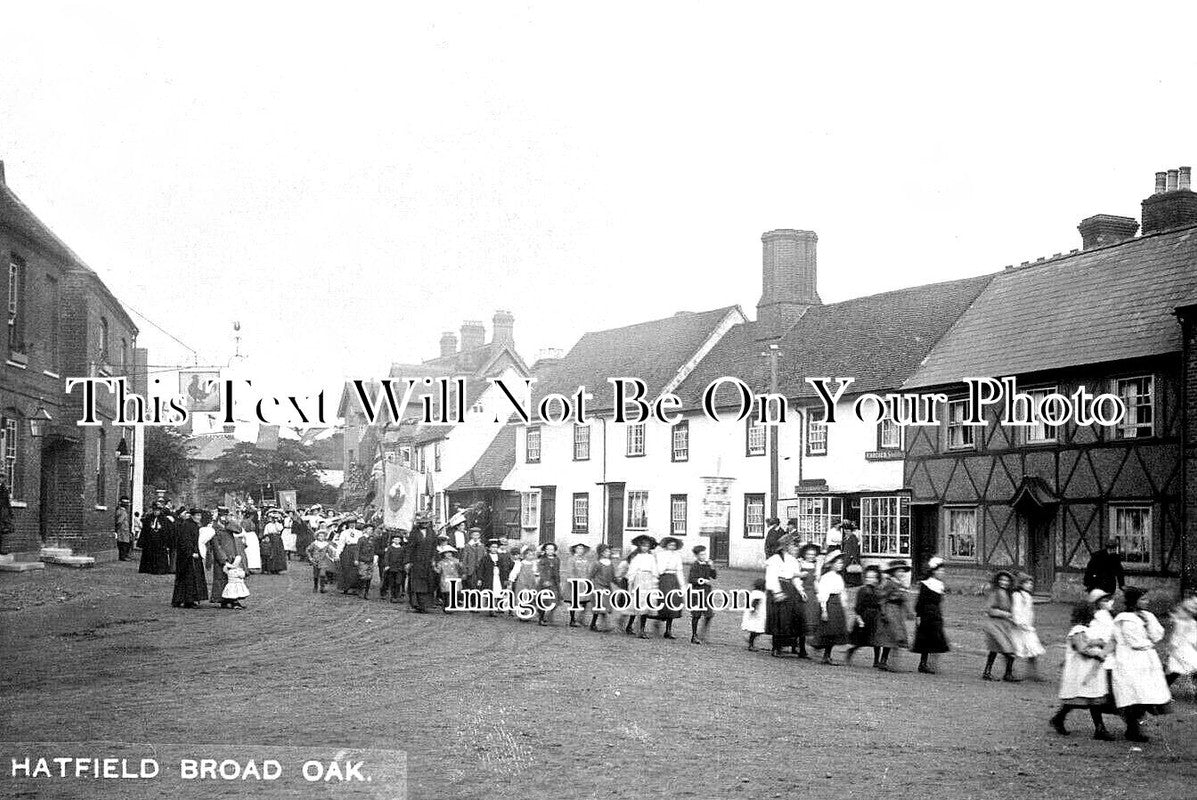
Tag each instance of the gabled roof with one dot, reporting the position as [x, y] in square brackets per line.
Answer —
[1106, 304]
[492, 466]
[479, 361]
[652, 351]
[878, 340]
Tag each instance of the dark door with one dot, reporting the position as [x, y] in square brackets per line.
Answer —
[1040, 553]
[48, 500]
[548, 514]
[615, 514]
[924, 535]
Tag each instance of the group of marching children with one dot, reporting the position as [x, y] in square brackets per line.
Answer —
[802, 604]
[1111, 666]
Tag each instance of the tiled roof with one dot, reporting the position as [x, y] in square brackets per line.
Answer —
[492, 466]
[879, 340]
[1100, 305]
[652, 351]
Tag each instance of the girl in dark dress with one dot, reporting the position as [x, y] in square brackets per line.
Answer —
[891, 627]
[783, 603]
[548, 576]
[929, 638]
[868, 611]
[833, 625]
[812, 612]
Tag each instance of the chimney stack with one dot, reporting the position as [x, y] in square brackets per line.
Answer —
[1173, 206]
[504, 327]
[473, 335]
[1103, 229]
[788, 285]
[2, 181]
[448, 343]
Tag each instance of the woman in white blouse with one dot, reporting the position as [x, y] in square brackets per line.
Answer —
[783, 597]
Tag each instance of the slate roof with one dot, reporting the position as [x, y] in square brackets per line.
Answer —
[879, 340]
[652, 351]
[1107, 304]
[492, 467]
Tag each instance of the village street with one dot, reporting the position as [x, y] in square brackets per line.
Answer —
[497, 708]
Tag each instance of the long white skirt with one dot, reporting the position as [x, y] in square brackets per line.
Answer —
[1139, 679]
[253, 551]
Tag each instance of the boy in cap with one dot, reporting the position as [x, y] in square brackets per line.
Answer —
[702, 575]
[391, 564]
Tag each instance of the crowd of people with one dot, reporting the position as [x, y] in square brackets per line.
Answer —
[811, 600]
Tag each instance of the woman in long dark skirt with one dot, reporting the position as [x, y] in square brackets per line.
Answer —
[783, 603]
[347, 574]
[868, 612]
[929, 637]
[833, 624]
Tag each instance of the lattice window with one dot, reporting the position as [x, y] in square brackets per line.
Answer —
[1139, 396]
[637, 510]
[960, 534]
[885, 526]
[1131, 526]
[815, 516]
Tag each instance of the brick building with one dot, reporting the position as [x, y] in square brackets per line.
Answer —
[61, 322]
[1113, 317]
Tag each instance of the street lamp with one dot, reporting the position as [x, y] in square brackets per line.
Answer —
[38, 421]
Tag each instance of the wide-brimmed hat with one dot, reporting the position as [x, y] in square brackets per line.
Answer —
[475, 528]
[585, 547]
[896, 565]
[806, 547]
[1000, 573]
[1097, 595]
[1132, 594]
[834, 554]
[497, 542]
[1022, 577]
[644, 538]
[934, 563]
[545, 545]
[673, 540]
[849, 525]
[773, 521]
[446, 548]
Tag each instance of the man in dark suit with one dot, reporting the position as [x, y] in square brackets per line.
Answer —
[421, 553]
[773, 535]
[1104, 570]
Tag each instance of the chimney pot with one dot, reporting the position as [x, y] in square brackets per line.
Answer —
[1176, 207]
[448, 343]
[1161, 182]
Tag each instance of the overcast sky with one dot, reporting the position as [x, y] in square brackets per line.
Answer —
[351, 182]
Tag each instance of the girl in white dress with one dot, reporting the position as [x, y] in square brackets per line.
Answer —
[253, 549]
[1083, 681]
[1182, 644]
[642, 579]
[753, 620]
[234, 587]
[1022, 614]
[1139, 684]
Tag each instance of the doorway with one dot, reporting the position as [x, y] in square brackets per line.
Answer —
[924, 535]
[1041, 559]
[615, 514]
[548, 514]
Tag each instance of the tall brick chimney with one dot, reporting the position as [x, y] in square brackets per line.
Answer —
[448, 343]
[1103, 229]
[473, 335]
[504, 327]
[788, 286]
[1174, 203]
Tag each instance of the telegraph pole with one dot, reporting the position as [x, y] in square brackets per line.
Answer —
[773, 354]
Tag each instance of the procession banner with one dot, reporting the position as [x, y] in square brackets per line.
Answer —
[287, 500]
[402, 492]
[714, 515]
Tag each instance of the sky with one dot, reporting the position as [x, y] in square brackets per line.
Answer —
[350, 181]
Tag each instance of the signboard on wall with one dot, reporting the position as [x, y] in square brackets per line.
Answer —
[714, 516]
